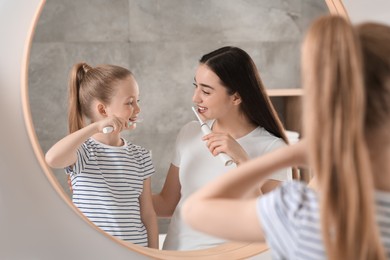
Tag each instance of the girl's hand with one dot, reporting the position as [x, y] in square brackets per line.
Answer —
[119, 124]
[221, 142]
[299, 150]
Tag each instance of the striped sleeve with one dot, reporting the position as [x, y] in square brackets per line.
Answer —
[82, 158]
[288, 216]
[148, 168]
[383, 218]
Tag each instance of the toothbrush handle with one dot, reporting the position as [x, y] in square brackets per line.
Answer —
[222, 156]
[108, 129]
[225, 159]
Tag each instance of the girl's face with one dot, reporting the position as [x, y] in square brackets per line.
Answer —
[210, 96]
[124, 103]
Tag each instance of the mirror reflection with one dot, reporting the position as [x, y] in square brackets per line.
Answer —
[161, 43]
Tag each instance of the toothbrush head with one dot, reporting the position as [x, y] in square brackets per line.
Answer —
[109, 129]
[138, 120]
[197, 116]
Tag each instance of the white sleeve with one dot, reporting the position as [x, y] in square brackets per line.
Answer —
[283, 174]
[176, 157]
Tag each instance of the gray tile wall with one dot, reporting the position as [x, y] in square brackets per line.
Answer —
[161, 42]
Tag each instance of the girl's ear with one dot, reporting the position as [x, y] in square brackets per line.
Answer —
[101, 108]
[236, 99]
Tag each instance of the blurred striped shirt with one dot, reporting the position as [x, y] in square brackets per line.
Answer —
[107, 182]
[291, 223]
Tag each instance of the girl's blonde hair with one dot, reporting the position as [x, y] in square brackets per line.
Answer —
[87, 84]
[335, 110]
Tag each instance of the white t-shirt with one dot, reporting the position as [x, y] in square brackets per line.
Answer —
[197, 167]
[291, 221]
[107, 182]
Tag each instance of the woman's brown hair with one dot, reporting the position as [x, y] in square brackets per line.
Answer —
[239, 74]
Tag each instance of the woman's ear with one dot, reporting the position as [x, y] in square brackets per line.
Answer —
[236, 99]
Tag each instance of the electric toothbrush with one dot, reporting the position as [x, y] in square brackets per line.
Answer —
[109, 129]
[206, 130]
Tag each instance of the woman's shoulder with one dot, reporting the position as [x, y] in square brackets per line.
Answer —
[268, 140]
[261, 132]
[191, 125]
[190, 128]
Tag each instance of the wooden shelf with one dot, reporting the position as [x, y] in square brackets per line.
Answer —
[284, 92]
[288, 104]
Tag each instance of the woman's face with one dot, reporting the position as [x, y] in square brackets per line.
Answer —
[210, 96]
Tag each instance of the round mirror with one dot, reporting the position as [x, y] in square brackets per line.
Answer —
[160, 42]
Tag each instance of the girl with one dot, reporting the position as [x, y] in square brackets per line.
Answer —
[346, 76]
[230, 97]
[110, 176]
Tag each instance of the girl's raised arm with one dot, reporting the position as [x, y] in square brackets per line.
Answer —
[64, 152]
[222, 208]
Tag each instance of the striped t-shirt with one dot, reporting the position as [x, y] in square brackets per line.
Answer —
[291, 222]
[107, 182]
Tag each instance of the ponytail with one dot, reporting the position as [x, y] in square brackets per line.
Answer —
[332, 62]
[87, 84]
[75, 114]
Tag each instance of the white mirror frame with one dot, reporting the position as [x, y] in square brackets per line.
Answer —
[37, 219]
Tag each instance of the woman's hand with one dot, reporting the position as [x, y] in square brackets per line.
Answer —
[225, 143]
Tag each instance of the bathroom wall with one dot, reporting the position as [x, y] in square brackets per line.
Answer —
[161, 43]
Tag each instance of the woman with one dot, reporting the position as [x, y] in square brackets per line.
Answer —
[230, 97]
[346, 76]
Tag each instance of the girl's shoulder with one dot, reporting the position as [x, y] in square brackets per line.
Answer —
[298, 187]
[301, 195]
[294, 198]
[130, 144]
[135, 147]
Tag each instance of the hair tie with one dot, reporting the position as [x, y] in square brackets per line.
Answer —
[86, 67]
